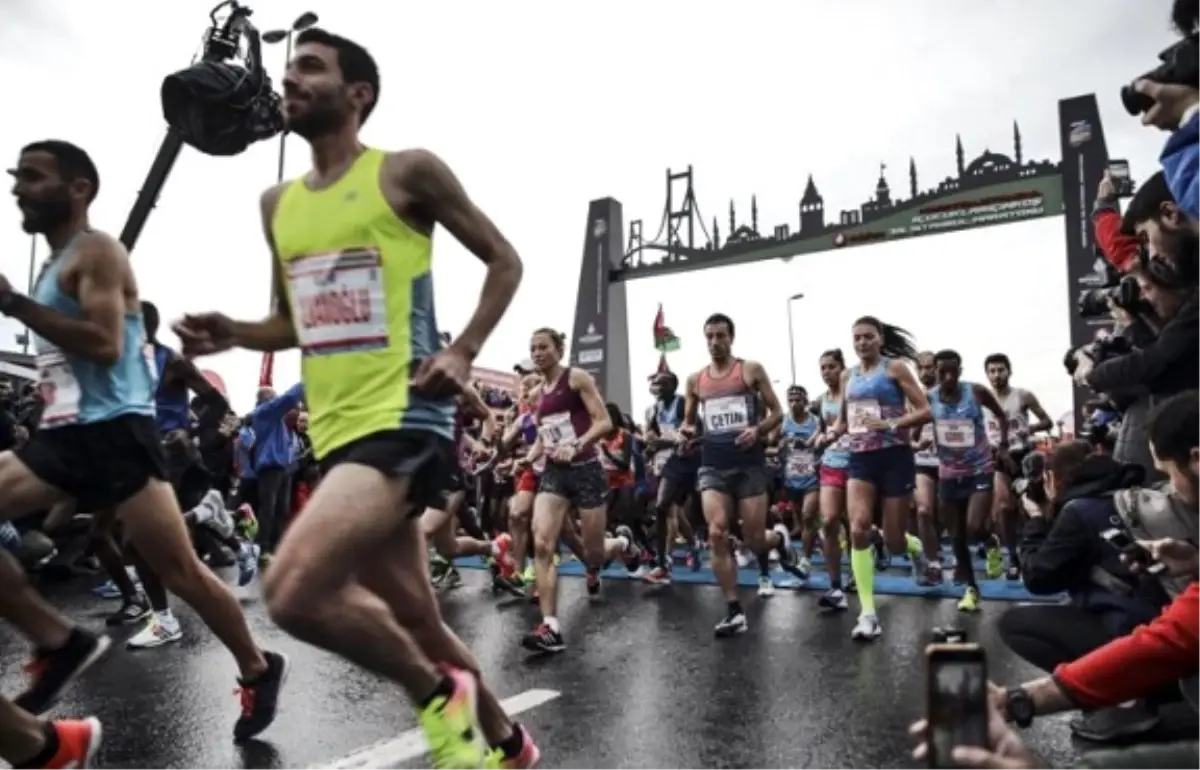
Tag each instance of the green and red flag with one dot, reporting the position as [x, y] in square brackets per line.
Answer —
[665, 340]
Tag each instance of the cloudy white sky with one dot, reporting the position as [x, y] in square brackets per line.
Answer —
[542, 106]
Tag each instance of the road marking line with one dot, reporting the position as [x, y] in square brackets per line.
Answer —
[410, 744]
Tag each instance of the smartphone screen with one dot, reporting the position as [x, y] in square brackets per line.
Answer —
[1118, 169]
[957, 709]
[1118, 539]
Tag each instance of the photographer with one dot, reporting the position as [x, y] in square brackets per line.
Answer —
[1062, 550]
[1166, 279]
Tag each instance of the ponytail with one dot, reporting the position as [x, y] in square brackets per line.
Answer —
[897, 342]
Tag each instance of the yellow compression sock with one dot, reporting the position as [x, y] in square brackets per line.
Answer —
[914, 543]
[862, 564]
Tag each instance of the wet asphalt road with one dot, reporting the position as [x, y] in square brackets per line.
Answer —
[642, 684]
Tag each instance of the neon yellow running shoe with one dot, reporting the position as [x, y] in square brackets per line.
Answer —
[970, 601]
[529, 575]
[995, 563]
[452, 728]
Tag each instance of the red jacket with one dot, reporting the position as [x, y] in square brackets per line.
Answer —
[1120, 250]
[1152, 657]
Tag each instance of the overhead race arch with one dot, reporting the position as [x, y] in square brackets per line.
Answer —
[992, 189]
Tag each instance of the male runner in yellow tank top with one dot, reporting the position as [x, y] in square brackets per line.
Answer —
[352, 246]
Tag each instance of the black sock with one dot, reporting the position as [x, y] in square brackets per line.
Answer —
[512, 745]
[735, 607]
[444, 689]
[48, 751]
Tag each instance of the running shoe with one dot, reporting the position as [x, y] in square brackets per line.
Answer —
[52, 672]
[833, 600]
[995, 563]
[1014, 573]
[659, 576]
[867, 629]
[766, 588]
[504, 560]
[933, 576]
[78, 742]
[162, 628]
[451, 725]
[448, 580]
[247, 562]
[970, 600]
[593, 583]
[109, 590]
[260, 698]
[733, 624]
[527, 757]
[919, 566]
[131, 612]
[804, 564]
[544, 639]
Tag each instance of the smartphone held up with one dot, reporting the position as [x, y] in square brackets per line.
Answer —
[957, 700]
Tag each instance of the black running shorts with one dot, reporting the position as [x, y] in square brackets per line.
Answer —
[100, 464]
[583, 484]
[425, 457]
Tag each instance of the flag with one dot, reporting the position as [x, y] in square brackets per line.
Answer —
[266, 372]
[665, 340]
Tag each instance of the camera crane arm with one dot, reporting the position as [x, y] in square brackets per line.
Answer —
[221, 43]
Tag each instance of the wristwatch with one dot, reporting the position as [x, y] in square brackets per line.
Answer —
[1018, 706]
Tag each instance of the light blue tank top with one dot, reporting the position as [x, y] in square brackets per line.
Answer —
[799, 464]
[960, 434]
[78, 391]
[837, 456]
[873, 395]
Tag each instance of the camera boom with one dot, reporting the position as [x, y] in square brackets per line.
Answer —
[221, 43]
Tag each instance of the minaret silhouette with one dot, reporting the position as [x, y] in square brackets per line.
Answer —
[912, 177]
[958, 154]
[754, 213]
[716, 234]
[732, 219]
[1017, 154]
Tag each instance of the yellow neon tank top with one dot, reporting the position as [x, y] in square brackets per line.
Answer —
[360, 286]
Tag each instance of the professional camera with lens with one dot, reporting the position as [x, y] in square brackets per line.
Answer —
[1178, 65]
[223, 103]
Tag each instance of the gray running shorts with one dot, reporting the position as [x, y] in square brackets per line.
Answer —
[737, 483]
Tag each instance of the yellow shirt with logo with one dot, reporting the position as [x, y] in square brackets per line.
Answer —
[360, 285]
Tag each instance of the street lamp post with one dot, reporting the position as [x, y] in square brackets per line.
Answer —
[302, 22]
[792, 334]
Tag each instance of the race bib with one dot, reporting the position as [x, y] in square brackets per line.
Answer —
[992, 427]
[557, 430]
[800, 463]
[339, 302]
[956, 434]
[859, 411]
[59, 390]
[727, 414]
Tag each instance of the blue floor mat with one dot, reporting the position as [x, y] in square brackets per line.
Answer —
[893, 583]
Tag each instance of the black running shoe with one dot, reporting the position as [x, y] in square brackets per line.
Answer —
[543, 639]
[260, 698]
[131, 612]
[54, 671]
[733, 624]
[513, 586]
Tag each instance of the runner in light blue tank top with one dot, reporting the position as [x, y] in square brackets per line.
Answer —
[881, 466]
[800, 431]
[81, 391]
[834, 460]
[965, 463]
[98, 444]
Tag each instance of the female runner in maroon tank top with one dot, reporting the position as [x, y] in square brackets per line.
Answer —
[571, 417]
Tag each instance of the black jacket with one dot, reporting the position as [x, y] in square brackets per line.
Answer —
[1060, 554]
[1169, 365]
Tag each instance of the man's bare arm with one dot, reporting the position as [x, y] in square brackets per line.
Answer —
[437, 191]
[691, 402]
[275, 332]
[1043, 420]
[98, 336]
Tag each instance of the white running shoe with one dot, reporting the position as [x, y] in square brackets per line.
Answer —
[867, 629]
[162, 629]
[766, 588]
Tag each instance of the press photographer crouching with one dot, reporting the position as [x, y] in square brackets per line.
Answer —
[1155, 534]
[1071, 504]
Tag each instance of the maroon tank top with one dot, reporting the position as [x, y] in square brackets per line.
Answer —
[562, 417]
